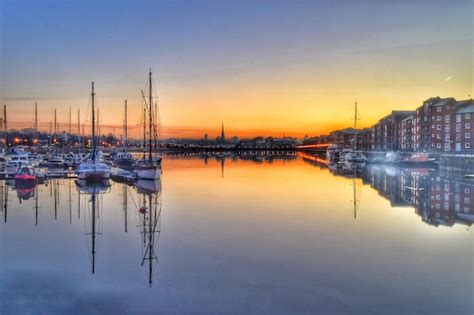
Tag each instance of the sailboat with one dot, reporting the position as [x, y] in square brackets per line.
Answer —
[93, 170]
[124, 159]
[351, 156]
[149, 168]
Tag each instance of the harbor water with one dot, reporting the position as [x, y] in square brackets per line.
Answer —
[275, 234]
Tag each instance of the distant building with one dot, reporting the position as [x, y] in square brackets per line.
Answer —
[365, 141]
[345, 137]
[406, 134]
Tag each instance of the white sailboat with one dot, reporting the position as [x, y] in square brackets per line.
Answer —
[93, 169]
[149, 168]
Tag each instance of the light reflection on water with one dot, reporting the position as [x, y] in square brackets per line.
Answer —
[223, 233]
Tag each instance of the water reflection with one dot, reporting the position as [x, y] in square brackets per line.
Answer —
[149, 222]
[439, 198]
[239, 229]
[92, 217]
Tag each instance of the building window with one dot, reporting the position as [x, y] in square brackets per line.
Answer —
[458, 118]
[438, 109]
[467, 145]
[466, 210]
[438, 145]
[447, 128]
[438, 127]
[467, 200]
[467, 135]
[438, 136]
[467, 126]
[458, 127]
[447, 137]
[447, 118]
[467, 116]
[467, 191]
[458, 137]
[438, 118]
[446, 147]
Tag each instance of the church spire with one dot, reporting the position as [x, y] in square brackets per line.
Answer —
[222, 132]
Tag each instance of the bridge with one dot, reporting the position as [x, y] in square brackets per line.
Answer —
[319, 147]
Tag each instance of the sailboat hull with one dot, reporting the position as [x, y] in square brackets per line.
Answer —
[94, 176]
[93, 171]
[150, 174]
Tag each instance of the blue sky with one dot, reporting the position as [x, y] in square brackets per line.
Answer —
[211, 58]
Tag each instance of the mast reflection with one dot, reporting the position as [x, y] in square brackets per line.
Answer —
[150, 222]
[93, 190]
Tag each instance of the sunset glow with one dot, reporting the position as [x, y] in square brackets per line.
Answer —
[283, 69]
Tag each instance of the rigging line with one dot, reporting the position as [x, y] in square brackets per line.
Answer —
[133, 199]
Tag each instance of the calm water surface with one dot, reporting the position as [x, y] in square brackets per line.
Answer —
[246, 235]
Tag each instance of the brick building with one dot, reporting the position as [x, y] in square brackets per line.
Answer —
[450, 126]
[406, 140]
[464, 127]
[387, 132]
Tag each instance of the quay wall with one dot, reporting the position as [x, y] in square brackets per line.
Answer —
[464, 163]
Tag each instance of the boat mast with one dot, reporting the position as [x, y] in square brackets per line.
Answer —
[36, 124]
[5, 126]
[98, 126]
[93, 125]
[150, 104]
[126, 127]
[70, 125]
[79, 129]
[144, 131]
[355, 127]
[55, 123]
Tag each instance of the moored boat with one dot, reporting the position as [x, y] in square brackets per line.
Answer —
[149, 167]
[25, 175]
[93, 170]
[122, 175]
[15, 163]
[124, 160]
